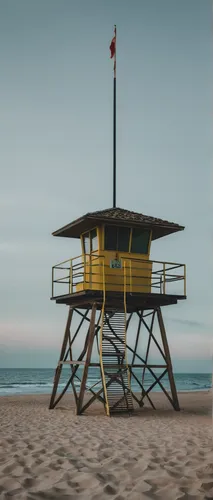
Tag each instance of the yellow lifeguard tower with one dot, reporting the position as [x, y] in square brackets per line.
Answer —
[114, 275]
[112, 281]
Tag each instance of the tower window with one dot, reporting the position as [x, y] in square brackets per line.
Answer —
[86, 243]
[94, 240]
[140, 241]
[110, 238]
[90, 241]
[123, 239]
[117, 238]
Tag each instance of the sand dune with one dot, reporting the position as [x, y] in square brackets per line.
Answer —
[151, 454]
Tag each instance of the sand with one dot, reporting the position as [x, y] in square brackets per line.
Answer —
[152, 454]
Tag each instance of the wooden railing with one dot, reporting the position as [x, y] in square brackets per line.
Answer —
[163, 277]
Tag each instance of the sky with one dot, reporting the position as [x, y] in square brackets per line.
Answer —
[56, 154]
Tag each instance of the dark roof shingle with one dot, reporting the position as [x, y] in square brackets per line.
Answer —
[159, 227]
[127, 215]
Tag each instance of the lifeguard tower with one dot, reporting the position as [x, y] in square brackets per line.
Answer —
[115, 277]
[112, 282]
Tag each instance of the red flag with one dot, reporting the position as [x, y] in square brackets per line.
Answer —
[112, 47]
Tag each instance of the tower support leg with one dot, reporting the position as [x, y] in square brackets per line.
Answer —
[84, 358]
[168, 360]
[165, 365]
[147, 319]
[62, 354]
[90, 341]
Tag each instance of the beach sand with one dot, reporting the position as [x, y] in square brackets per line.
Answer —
[152, 454]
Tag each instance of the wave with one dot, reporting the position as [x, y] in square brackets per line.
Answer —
[135, 386]
[12, 383]
[20, 384]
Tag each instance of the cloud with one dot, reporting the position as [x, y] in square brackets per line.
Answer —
[6, 247]
[7, 202]
[183, 345]
[190, 322]
[28, 334]
[30, 245]
[22, 333]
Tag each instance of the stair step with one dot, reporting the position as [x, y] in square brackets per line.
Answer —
[113, 350]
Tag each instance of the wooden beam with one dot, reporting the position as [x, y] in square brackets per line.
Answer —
[73, 374]
[130, 365]
[88, 358]
[59, 367]
[156, 342]
[148, 367]
[148, 345]
[168, 360]
[71, 366]
[72, 363]
[157, 381]
[137, 337]
[90, 389]
[80, 358]
[95, 396]
[143, 392]
[84, 317]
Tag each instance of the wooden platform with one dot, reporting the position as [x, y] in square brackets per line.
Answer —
[134, 301]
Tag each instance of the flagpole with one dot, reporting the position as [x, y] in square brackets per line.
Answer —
[114, 128]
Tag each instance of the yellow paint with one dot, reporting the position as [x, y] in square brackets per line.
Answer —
[86, 271]
[138, 269]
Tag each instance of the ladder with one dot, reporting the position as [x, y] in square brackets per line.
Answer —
[114, 367]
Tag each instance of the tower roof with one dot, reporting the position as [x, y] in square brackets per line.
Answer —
[118, 216]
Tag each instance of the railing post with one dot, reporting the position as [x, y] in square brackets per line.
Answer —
[164, 278]
[104, 284]
[161, 283]
[52, 281]
[124, 281]
[130, 275]
[184, 279]
[84, 270]
[70, 280]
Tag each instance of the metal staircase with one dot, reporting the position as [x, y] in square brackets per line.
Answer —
[115, 371]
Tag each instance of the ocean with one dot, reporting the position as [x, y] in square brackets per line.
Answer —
[40, 380]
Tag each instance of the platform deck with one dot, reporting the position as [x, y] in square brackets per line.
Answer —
[134, 301]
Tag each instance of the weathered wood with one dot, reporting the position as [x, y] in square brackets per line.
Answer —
[90, 389]
[137, 337]
[143, 391]
[73, 373]
[80, 358]
[148, 345]
[130, 365]
[63, 350]
[95, 396]
[155, 340]
[128, 321]
[124, 391]
[157, 381]
[93, 330]
[85, 299]
[72, 363]
[88, 358]
[168, 360]
[71, 366]
[84, 316]
[148, 367]
[87, 319]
